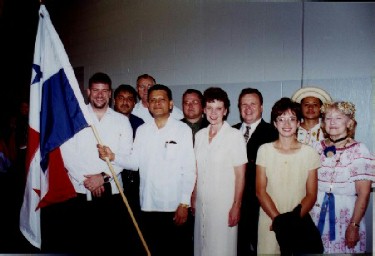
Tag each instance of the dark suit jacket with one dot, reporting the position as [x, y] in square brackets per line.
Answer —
[135, 122]
[297, 235]
[130, 179]
[263, 133]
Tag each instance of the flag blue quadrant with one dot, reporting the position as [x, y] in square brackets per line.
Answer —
[57, 113]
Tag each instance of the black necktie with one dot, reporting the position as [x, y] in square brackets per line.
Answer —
[247, 133]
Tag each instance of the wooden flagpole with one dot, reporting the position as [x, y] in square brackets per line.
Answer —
[122, 194]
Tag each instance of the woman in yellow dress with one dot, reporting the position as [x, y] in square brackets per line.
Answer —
[286, 174]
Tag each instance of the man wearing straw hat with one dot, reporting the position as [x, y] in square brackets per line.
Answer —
[90, 222]
[311, 99]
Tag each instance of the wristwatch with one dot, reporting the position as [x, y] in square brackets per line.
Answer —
[105, 177]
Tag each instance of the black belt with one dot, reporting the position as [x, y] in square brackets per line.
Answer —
[130, 176]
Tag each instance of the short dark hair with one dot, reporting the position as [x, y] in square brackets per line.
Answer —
[216, 93]
[283, 105]
[125, 88]
[100, 77]
[160, 87]
[146, 76]
[246, 91]
[197, 92]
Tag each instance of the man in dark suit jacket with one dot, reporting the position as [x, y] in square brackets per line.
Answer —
[250, 104]
[125, 98]
[192, 106]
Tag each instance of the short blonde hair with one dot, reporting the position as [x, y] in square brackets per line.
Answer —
[345, 107]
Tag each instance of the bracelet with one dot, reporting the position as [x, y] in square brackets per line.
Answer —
[184, 206]
[354, 224]
[105, 177]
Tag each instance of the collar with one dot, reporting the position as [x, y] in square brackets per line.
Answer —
[253, 126]
[198, 123]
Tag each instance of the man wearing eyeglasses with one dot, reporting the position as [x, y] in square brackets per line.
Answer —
[144, 82]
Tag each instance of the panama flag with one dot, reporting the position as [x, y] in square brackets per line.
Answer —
[57, 112]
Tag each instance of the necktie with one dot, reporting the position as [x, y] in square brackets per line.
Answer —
[247, 133]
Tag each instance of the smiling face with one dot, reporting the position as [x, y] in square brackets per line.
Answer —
[287, 124]
[215, 112]
[310, 107]
[336, 123]
[251, 109]
[99, 95]
[159, 104]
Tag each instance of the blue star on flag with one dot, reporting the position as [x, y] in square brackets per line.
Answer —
[38, 74]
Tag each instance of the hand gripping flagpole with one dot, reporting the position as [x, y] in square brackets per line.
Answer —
[122, 193]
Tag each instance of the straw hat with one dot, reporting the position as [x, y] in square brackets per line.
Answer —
[311, 92]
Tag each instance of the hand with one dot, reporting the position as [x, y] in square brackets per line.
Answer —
[234, 215]
[105, 152]
[351, 236]
[181, 215]
[98, 192]
[93, 181]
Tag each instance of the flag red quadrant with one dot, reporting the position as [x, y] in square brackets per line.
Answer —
[57, 113]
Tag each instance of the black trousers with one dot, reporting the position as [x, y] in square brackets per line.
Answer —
[78, 226]
[163, 237]
[248, 227]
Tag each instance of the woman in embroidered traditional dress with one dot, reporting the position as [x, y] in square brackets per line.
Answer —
[221, 164]
[286, 174]
[344, 182]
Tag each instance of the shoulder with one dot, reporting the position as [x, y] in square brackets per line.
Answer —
[359, 148]
[266, 132]
[266, 147]
[117, 116]
[201, 132]
[134, 118]
[177, 113]
[145, 126]
[308, 149]
[231, 129]
[264, 125]
[178, 123]
[137, 106]
[237, 126]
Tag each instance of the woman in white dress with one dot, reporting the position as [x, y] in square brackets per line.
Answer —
[286, 174]
[221, 162]
[344, 182]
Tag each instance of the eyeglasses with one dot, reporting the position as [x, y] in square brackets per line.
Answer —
[283, 120]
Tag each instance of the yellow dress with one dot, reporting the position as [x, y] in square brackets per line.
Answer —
[286, 185]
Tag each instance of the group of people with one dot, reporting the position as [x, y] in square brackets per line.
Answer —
[199, 186]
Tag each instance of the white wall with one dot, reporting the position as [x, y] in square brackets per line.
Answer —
[232, 45]
[197, 44]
